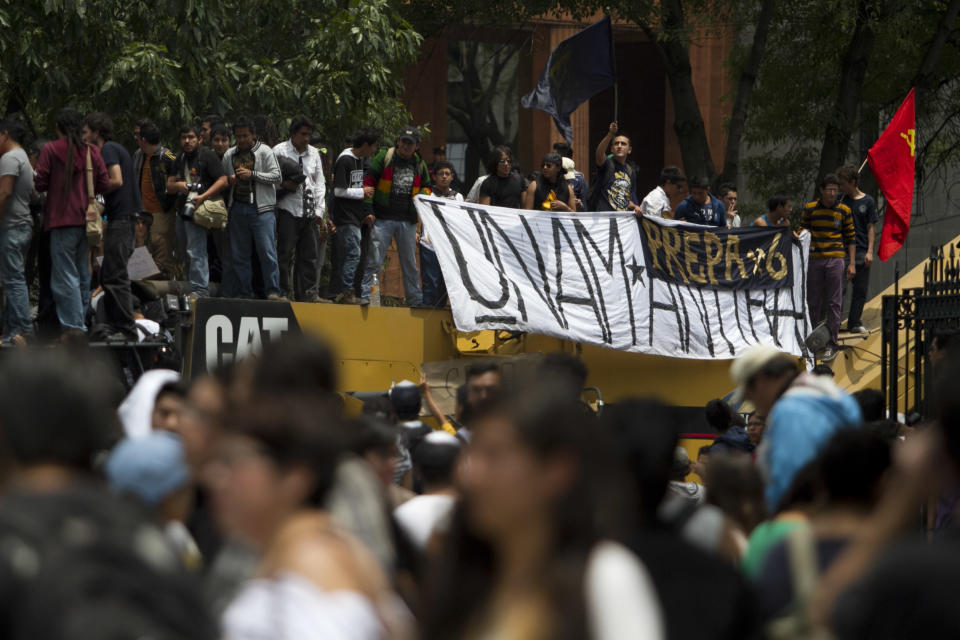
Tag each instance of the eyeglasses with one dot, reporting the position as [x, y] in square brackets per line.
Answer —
[504, 161]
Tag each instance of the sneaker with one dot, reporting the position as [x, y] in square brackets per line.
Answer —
[828, 355]
[364, 302]
[858, 329]
[348, 298]
[273, 297]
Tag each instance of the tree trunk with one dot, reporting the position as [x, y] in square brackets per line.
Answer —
[853, 69]
[748, 78]
[687, 120]
[924, 79]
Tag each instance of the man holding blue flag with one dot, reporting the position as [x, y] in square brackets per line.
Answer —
[580, 67]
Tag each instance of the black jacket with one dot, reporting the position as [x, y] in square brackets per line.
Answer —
[161, 167]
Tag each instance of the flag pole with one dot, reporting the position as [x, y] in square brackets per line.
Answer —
[860, 170]
[616, 103]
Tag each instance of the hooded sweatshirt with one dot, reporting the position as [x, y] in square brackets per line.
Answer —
[69, 210]
[811, 411]
[733, 439]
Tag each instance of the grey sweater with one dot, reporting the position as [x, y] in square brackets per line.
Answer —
[266, 175]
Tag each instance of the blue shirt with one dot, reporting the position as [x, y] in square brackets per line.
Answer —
[711, 213]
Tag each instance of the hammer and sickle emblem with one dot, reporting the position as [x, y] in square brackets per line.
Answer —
[757, 256]
[910, 137]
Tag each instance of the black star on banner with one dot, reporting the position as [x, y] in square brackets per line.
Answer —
[637, 272]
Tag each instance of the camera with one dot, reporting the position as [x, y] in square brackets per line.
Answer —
[309, 204]
[193, 190]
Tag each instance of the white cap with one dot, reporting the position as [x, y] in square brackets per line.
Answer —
[746, 366]
[568, 166]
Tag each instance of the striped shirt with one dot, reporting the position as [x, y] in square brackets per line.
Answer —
[831, 229]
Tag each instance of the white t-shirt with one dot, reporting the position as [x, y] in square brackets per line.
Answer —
[656, 203]
[420, 516]
[312, 167]
[622, 601]
[290, 607]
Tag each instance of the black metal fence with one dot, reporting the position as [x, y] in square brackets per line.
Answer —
[911, 319]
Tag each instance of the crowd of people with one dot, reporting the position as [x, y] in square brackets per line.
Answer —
[238, 213]
[250, 503]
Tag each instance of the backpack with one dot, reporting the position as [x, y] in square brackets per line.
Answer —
[596, 184]
[85, 564]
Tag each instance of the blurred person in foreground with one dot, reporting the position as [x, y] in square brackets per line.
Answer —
[525, 557]
[803, 411]
[643, 439]
[272, 471]
[77, 562]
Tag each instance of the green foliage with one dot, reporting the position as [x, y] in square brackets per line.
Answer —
[338, 61]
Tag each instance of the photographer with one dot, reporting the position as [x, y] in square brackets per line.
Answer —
[300, 215]
[198, 176]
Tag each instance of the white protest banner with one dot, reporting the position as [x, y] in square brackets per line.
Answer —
[584, 277]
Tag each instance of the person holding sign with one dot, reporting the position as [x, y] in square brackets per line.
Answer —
[550, 191]
[700, 207]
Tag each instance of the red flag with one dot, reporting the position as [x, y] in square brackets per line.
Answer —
[891, 161]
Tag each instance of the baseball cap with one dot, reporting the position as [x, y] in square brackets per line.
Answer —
[746, 366]
[152, 467]
[410, 133]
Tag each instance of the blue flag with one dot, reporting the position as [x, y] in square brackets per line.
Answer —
[580, 67]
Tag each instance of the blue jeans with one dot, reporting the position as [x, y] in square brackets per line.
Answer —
[348, 240]
[406, 236]
[194, 238]
[14, 242]
[70, 277]
[434, 288]
[251, 231]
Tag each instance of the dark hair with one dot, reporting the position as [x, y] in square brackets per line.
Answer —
[149, 132]
[848, 173]
[299, 122]
[243, 122]
[298, 364]
[480, 368]
[437, 150]
[672, 175]
[851, 466]
[886, 429]
[563, 149]
[177, 388]
[830, 178]
[721, 415]
[445, 165]
[622, 133]
[736, 488]
[434, 463]
[705, 449]
[871, 404]
[70, 431]
[494, 158]
[643, 436]
[365, 135]
[726, 188]
[214, 119]
[777, 200]
[70, 123]
[559, 364]
[219, 129]
[368, 433]
[265, 129]
[698, 182]
[294, 432]
[378, 407]
[190, 128]
[101, 123]
[466, 571]
[14, 129]
[804, 490]
[142, 121]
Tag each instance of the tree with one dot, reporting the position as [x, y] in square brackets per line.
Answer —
[173, 60]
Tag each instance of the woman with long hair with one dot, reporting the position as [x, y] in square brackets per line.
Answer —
[525, 556]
